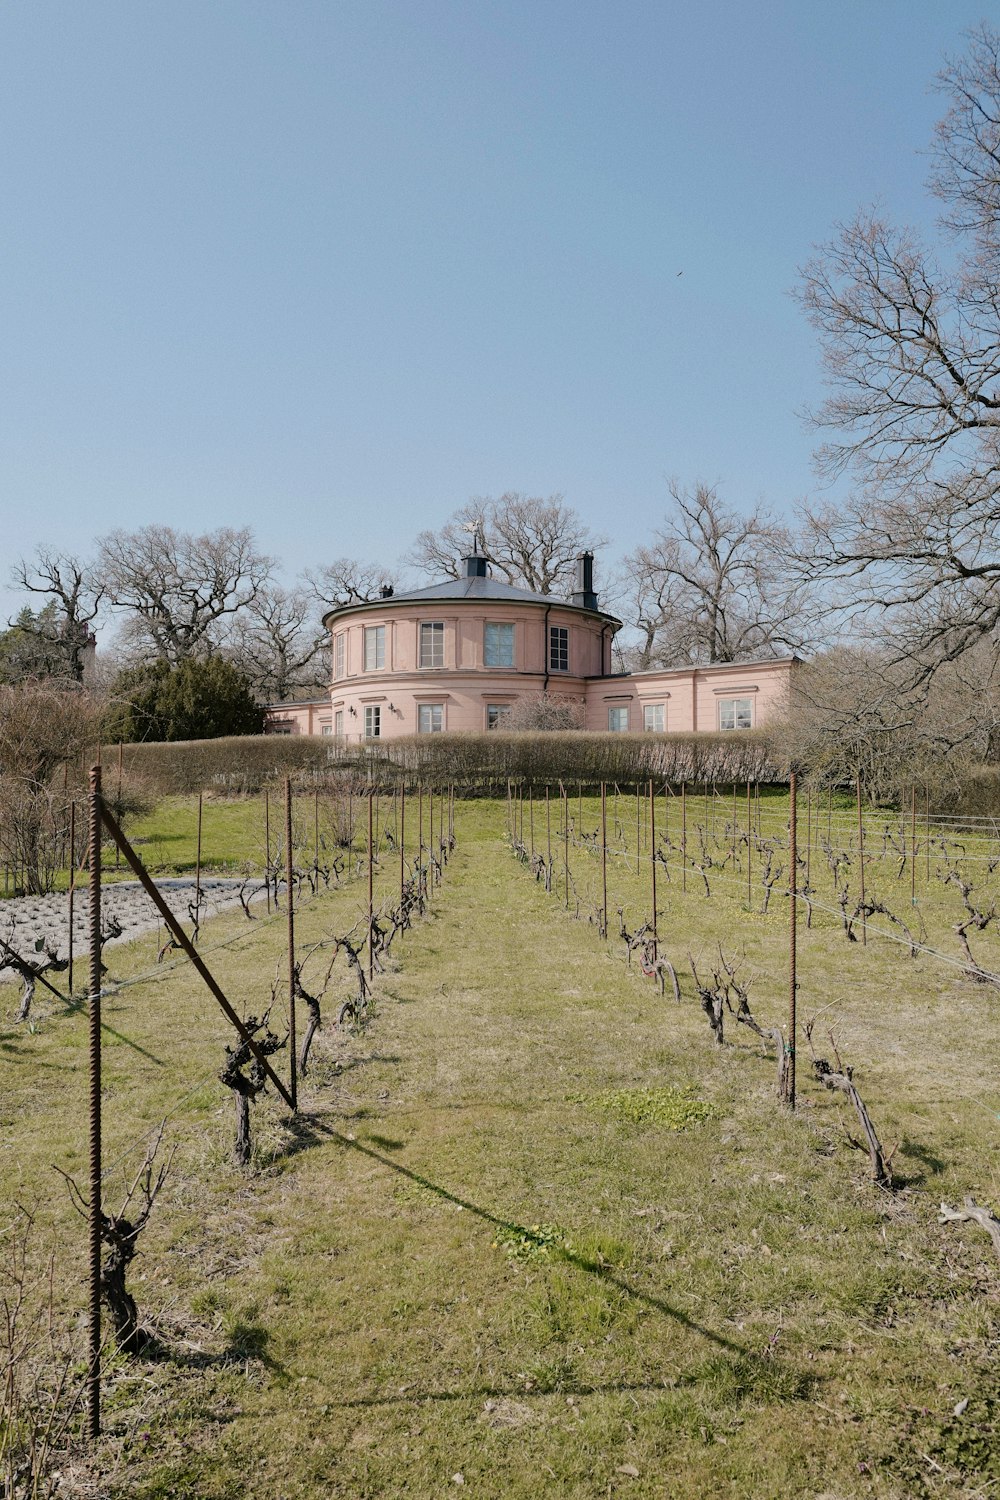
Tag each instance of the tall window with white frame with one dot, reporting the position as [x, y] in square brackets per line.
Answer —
[430, 718]
[374, 647]
[432, 643]
[654, 717]
[498, 644]
[339, 654]
[338, 722]
[373, 721]
[735, 713]
[497, 715]
[618, 719]
[558, 648]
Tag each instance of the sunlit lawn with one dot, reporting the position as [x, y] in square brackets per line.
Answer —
[472, 1266]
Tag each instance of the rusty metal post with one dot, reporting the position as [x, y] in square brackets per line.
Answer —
[565, 802]
[684, 836]
[316, 839]
[652, 861]
[927, 830]
[793, 852]
[861, 867]
[402, 838]
[118, 852]
[531, 816]
[548, 829]
[913, 844]
[267, 849]
[72, 893]
[371, 894]
[604, 859]
[197, 871]
[421, 876]
[809, 810]
[94, 1205]
[290, 913]
[430, 833]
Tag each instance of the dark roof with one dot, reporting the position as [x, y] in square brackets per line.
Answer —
[467, 588]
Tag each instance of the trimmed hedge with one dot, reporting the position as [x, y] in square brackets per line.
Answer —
[247, 763]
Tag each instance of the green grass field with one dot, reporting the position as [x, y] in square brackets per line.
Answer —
[533, 1231]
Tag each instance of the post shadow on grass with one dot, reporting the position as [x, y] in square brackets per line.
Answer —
[571, 1257]
[913, 1151]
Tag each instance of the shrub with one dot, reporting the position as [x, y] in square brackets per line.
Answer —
[473, 761]
[202, 698]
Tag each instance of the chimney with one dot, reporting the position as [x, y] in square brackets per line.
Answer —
[584, 596]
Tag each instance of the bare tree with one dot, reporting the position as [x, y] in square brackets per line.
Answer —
[77, 593]
[714, 585]
[854, 712]
[42, 726]
[280, 646]
[912, 353]
[531, 543]
[347, 581]
[179, 590]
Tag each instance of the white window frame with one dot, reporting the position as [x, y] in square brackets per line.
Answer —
[732, 711]
[558, 648]
[374, 653]
[501, 711]
[338, 722]
[339, 654]
[431, 633]
[506, 630]
[373, 721]
[427, 713]
[615, 712]
[654, 711]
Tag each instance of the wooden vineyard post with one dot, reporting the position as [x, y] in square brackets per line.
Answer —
[290, 912]
[565, 800]
[684, 836]
[197, 872]
[548, 829]
[749, 846]
[94, 1215]
[430, 836]
[402, 839]
[267, 848]
[118, 852]
[421, 876]
[652, 861]
[531, 817]
[638, 820]
[316, 839]
[927, 830]
[371, 893]
[913, 845]
[809, 808]
[861, 867]
[604, 859]
[792, 937]
[72, 893]
[735, 816]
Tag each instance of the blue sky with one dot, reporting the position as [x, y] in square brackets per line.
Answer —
[329, 269]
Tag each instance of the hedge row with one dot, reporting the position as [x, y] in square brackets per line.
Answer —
[249, 763]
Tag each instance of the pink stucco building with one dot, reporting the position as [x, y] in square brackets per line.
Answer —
[460, 654]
